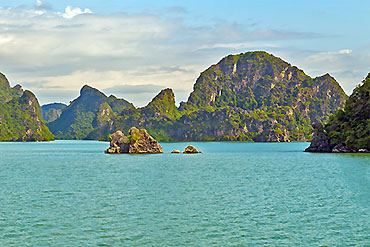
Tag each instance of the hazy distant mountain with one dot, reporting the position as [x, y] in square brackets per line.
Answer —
[52, 111]
[20, 115]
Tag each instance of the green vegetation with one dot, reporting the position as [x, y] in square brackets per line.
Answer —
[162, 105]
[6, 92]
[252, 96]
[85, 114]
[247, 97]
[351, 126]
[134, 137]
[21, 120]
[4, 89]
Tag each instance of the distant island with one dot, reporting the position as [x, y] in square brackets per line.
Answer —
[52, 111]
[252, 96]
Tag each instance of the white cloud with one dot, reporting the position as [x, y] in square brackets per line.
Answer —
[38, 3]
[5, 39]
[345, 51]
[340, 52]
[71, 12]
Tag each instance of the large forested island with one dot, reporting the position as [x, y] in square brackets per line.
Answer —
[252, 96]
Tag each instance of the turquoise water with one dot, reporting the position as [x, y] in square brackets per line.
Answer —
[69, 193]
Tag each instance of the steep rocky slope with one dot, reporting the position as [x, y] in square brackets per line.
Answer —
[20, 115]
[7, 92]
[349, 129]
[86, 113]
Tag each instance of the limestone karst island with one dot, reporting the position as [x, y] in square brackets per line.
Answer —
[184, 123]
[253, 96]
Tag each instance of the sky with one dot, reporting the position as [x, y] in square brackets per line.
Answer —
[135, 48]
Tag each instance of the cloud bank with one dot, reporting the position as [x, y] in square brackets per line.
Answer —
[135, 55]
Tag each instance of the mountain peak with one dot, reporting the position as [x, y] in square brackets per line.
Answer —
[28, 95]
[86, 89]
[165, 93]
[164, 103]
[4, 89]
[4, 81]
[78, 119]
[165, 96]
[326, 76]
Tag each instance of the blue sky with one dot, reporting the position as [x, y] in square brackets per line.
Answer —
[134, 48]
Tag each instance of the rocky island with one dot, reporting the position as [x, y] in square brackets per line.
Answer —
[191, 150]
[348, 131]
[137, 142]
[188, 150]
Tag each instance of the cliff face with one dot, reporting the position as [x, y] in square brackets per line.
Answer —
[82, 116]
[349, 129]
[21, 120]
[257, 79]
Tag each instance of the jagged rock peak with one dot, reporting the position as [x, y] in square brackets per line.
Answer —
[4, 80]
[28, 95]
[166, 93]
[86, 89]
[163, 103]
[327, 75]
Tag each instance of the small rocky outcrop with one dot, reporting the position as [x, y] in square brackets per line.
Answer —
[191, 150]
[175, 151]
[137, 142]
[320, 142]
[340, 148]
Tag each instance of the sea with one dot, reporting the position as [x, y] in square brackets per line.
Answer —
[70, 193]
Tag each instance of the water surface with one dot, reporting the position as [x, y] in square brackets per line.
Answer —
[69, 193]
